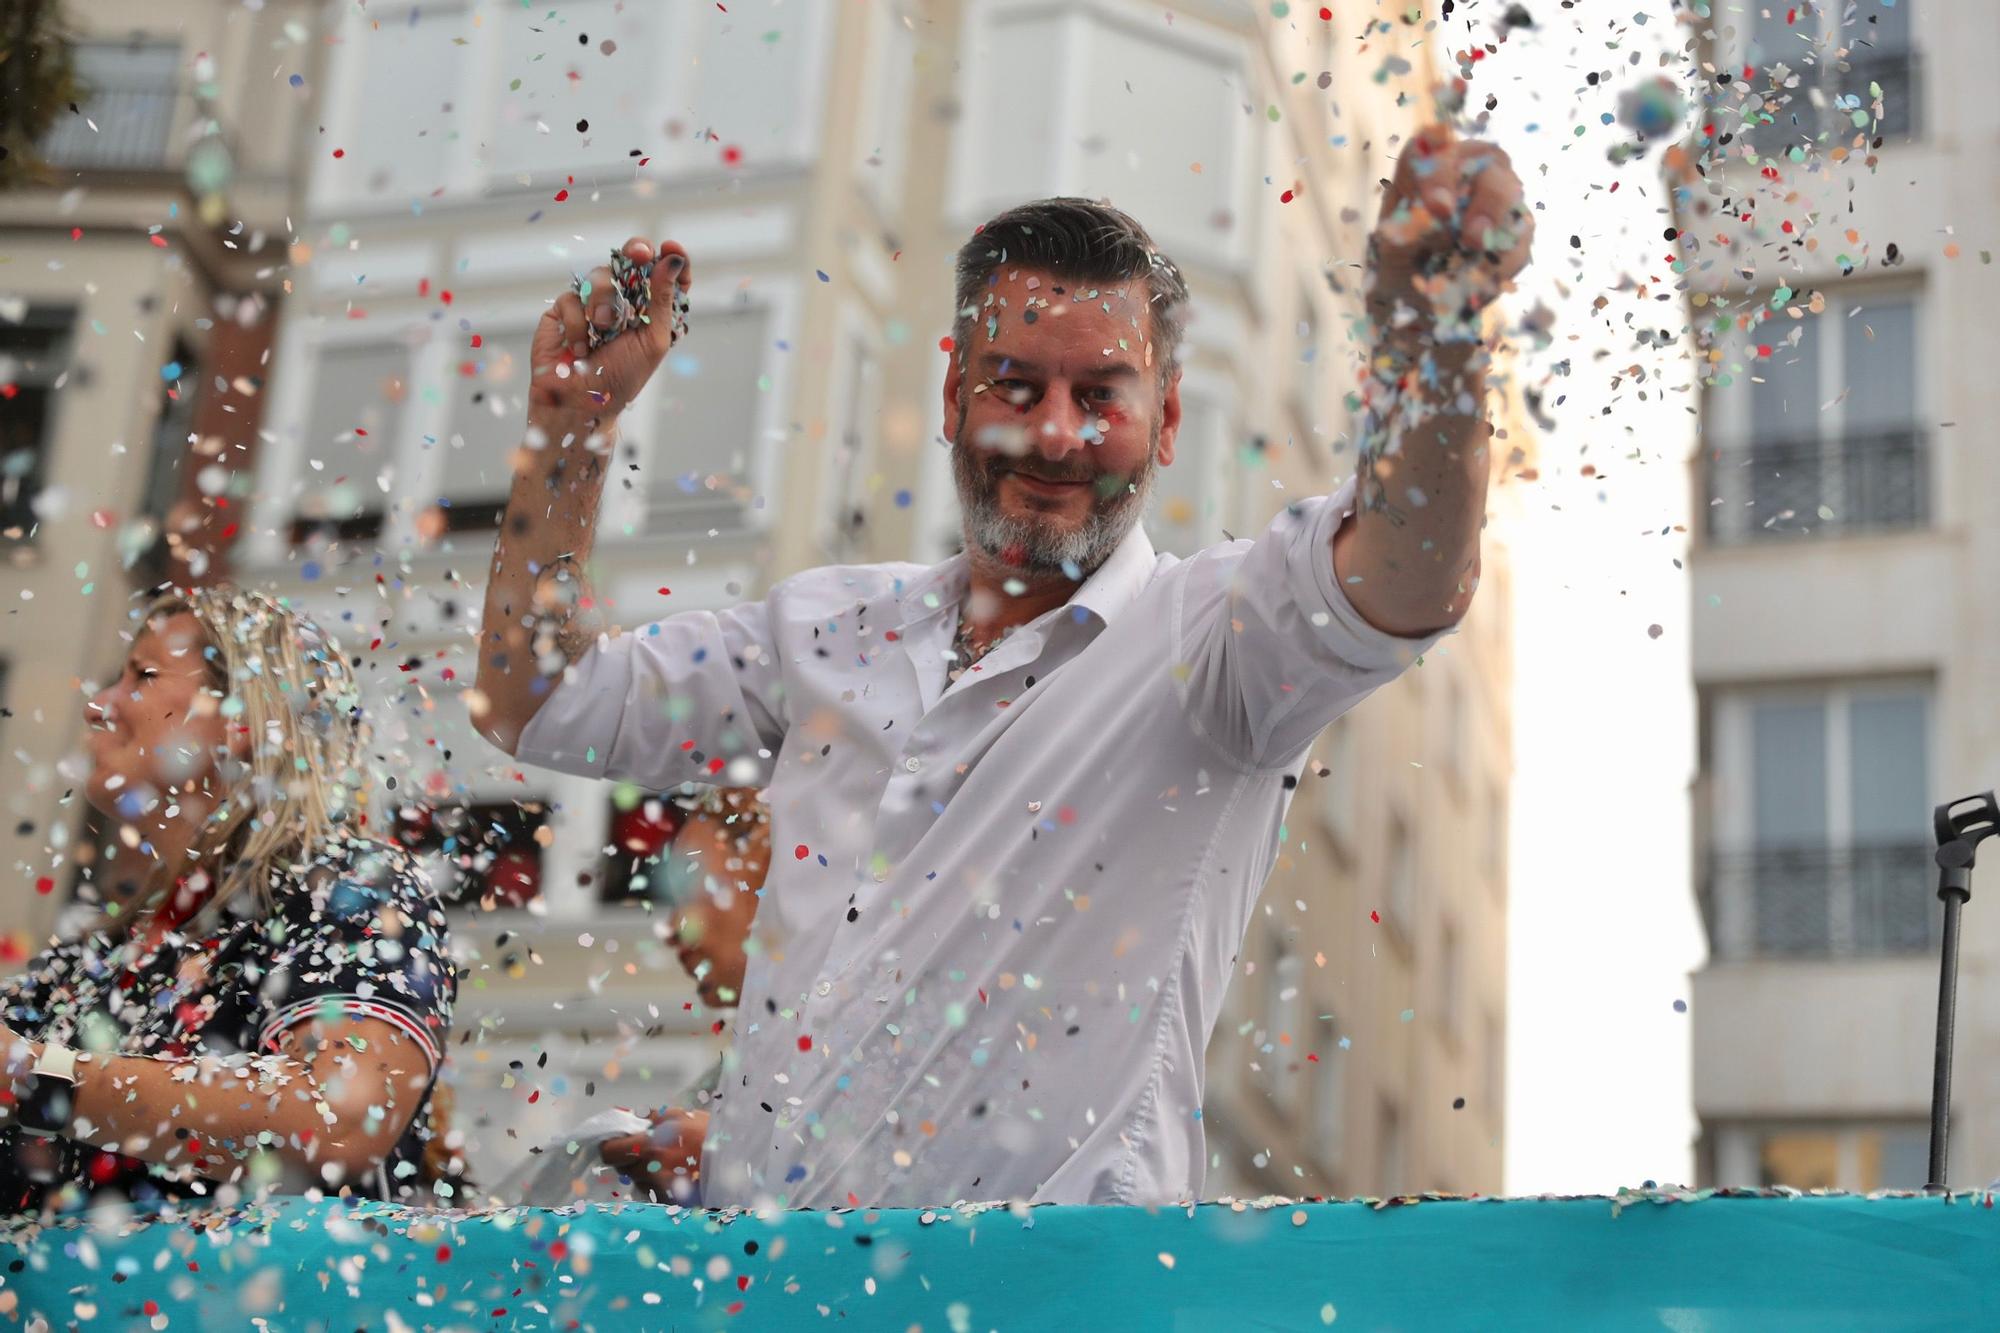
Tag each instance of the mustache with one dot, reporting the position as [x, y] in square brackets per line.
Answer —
[1040, 472]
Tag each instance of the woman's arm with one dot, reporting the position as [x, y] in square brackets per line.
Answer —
[330, 1104]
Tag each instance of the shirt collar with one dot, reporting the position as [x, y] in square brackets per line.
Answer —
[1108, 591]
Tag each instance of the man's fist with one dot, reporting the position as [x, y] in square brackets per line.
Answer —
[666, 1160]
[570, 379]
[1453, 234]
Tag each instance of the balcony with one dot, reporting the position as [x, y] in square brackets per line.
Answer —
[1869, 901]
[1681, 1259]
[1823, 489]
[134, 92]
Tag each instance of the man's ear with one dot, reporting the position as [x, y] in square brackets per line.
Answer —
[1170, 419]
[954, 402]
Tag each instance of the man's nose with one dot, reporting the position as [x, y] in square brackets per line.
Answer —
[97, 708]
[1056, 426]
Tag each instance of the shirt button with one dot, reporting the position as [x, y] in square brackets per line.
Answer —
[913, 763]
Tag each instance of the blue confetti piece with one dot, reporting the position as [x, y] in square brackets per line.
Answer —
[298, 80]
[170, 371]
[822, 275]
[902, 499]
[309, 571]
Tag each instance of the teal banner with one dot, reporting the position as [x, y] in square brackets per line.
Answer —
[1682, 1262]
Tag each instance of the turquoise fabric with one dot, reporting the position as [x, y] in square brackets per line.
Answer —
[1727, 1262]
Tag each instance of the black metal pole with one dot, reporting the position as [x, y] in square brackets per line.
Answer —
[1958, 838]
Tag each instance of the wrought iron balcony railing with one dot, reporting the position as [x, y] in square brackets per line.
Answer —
[1872, 900]
[1818, 488]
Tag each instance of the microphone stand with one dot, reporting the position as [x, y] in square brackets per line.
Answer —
[1958, 838]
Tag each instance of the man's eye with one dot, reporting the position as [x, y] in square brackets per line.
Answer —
[1102, 393]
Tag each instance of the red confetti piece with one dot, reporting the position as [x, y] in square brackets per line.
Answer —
[945, 343]
[76, 233]
[1376, 917]
[732, 156]
[1326, 13]
[152, 1308]
[743, 1282]
[340, 152]
[805, 1043]
[734, 1307]
[559, 1250]
[801, 851]
[666, 592]
[478, 341]
[444, 1254]
[45, 885]
[562, 196]
[715, 765]
[1285, 198]
[159, 241]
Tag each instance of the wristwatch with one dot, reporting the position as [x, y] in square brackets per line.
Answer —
[47, 1104]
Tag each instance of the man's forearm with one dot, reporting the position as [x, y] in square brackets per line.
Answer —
[540, 614]
[1409, 560]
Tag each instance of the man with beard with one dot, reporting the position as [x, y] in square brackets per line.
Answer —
[1027, 796]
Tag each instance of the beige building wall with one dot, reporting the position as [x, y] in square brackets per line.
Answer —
[1843, 627]
[821, 164]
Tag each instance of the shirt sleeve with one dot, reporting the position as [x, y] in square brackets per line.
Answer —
[360, 936]
[672, 702]
[1269, 649]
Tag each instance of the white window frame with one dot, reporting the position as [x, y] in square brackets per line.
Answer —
[969, 202]
[1728, 411]
[1732, 790]
[779, 296]
[885, 107]
[859, 404]
[337, 189]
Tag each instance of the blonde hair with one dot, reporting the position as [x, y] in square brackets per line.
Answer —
[284, 681]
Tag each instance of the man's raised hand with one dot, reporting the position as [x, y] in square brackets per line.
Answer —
[1454, 232]
[569, 381]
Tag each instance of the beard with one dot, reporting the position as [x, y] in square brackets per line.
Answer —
[1045, 543]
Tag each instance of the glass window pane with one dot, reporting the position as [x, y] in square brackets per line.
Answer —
[1187, 504]
[1152, 107]
[1890, 768]
[1903, 1159]
[1803, 1161]
[350, 430]
[129, 93]
[488, 412]
[1879, 356]
[749, 78]
[705, 418]
[1330, 1097]
[1016, 151]
[405, 113]
[564, 80]
[1788, 781]
[1785, 408]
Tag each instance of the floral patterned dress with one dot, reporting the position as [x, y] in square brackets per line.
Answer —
[353, 932]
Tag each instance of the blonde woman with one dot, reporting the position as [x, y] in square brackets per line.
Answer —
[268, 1007]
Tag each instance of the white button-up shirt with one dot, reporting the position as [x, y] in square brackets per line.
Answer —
[1001, 911]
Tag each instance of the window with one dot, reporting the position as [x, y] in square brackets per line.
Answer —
[1402, 878]
[349, 446]
[635, 848]
[130, 92]
[34, 363]
[488, 409]
[166, 471]
[1191, 495]
[1337, 794]
[1825, 852]
[1822, 413]
[1330, 1096]
[1077, 102]
[752, 81]
[487, 855]
[706, 420]
[1846, 1157]
[851, 449]
[882, 134]
[1818, 69]
[556, 74]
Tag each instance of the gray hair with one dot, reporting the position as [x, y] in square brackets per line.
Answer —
[1083, 241]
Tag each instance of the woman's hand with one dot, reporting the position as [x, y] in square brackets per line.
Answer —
[665, 1160]
[567, 379]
